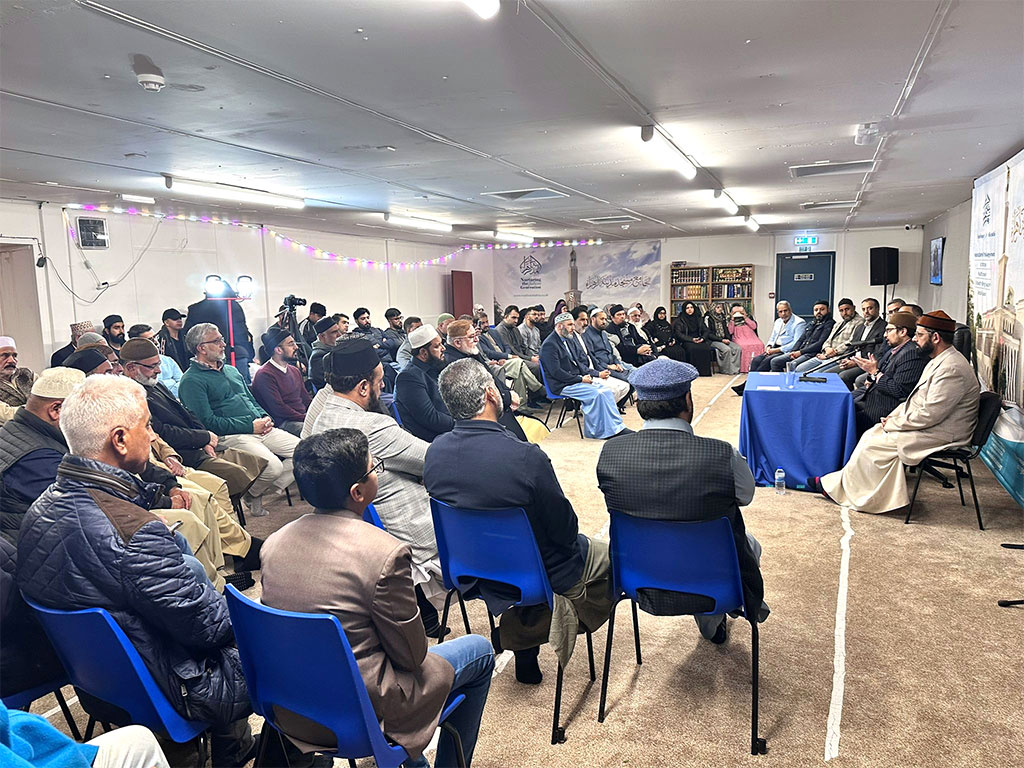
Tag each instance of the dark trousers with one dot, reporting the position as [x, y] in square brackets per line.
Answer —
[764, 362]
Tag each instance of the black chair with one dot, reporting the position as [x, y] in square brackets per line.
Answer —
[1008, 603]
[989, 407]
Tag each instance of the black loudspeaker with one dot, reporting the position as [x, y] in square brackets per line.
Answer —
[885, 266]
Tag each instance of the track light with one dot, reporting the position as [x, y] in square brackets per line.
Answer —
[512, 237]
[752, 225]
[485, 9]
[232, 193]
[726, 202]
[416, 223]
[667, 151]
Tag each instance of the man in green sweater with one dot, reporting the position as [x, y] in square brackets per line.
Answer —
[220, 399]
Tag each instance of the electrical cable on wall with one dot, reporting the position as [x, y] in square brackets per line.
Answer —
[101, 286]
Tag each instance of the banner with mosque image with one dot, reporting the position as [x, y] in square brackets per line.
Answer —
[611, 273]
[995, 306]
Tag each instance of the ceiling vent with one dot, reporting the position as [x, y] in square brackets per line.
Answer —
[513, 195]
[829, 204]
[830, 169]
[611, 219]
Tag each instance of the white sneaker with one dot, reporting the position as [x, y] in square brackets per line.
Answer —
[255, 504]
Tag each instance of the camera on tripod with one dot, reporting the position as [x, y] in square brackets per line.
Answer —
[292, 301]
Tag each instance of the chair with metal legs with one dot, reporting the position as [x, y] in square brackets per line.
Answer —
[566, 402]
[696, 558]
[101, 660]
[497, 545]
[989, 407]
[302, 663]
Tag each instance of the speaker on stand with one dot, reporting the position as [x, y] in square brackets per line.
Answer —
[885, 269]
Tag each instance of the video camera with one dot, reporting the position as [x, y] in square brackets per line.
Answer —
[291, 301]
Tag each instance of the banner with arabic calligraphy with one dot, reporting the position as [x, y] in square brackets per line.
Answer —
[621, 272]
[996, 306]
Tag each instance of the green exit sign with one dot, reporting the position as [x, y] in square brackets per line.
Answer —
[806, 240]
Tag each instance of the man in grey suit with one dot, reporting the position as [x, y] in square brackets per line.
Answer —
[333, 562]
[355, 378]
[666, 472]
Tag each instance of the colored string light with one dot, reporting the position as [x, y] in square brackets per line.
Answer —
[323, 254]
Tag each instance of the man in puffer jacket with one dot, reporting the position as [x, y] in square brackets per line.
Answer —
[90, 542]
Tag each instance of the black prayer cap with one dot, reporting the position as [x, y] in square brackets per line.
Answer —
[85, 360]
[274, 337]
[324, 323]
[352, 357]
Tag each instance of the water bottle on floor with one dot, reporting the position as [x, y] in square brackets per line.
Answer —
[780, 480]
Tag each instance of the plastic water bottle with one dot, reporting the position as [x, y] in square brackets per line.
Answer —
[780, 480]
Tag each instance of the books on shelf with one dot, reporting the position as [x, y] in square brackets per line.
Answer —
[689, 275]
[732, 274]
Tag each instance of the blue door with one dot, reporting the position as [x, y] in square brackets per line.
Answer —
[804, 278]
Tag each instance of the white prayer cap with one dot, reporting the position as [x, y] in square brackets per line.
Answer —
[57, 383]
[420, 337]
[7, 341]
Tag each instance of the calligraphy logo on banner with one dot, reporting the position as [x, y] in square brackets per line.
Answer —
[995, 301]
[622, 272]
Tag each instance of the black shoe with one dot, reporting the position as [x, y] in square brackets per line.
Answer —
[738, 389]
[623, 431]
[496, 640]
[720, 635]
[814, 485]
[539, 400]
[433, 631]
[251, 561]
[240, 580]
[527, 669]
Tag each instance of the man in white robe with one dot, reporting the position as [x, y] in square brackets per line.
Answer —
[941, 412]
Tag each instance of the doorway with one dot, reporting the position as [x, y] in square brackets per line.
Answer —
[19, 304]
[804, 278]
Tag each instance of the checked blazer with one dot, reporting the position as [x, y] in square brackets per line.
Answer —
[661, 474]
[901, 371]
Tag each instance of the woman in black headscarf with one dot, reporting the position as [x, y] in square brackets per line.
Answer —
[692, 335]
[660, 329]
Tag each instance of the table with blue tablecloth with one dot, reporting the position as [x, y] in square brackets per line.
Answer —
[809, 430]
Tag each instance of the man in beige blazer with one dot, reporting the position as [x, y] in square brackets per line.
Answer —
[941, 412]
[331, 561]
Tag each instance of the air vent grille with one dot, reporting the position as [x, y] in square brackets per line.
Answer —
[514, 195]
[830, 169]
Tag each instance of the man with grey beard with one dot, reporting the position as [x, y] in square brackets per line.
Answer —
[218, 396]
[15, 382]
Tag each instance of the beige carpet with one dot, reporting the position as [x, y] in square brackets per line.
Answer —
[933, 666]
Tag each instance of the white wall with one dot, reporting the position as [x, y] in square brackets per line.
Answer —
[951, 296]
[852, 260]
[175, 256]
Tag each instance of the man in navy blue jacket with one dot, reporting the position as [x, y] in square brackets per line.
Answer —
[811, 342]
[569, 371]
[576, 566]
[419, 403]
[90, 542]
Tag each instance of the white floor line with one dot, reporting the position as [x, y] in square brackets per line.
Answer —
[71, 702]
[835, 709]
[721, 392]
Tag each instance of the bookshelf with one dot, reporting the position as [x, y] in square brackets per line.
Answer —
[733, 283]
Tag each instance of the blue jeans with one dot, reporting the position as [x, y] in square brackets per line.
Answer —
[473, 660]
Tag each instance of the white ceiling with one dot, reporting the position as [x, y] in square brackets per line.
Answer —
[291, 97]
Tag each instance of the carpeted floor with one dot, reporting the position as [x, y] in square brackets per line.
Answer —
[932, 665]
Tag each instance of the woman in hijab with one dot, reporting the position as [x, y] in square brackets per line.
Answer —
[659, 329]
[692, 336]
[728, 352]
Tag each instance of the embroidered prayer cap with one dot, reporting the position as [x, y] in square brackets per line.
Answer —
[57, 383]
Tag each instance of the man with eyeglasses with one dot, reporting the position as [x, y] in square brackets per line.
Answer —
[332, 562]
[891, 378]
[220, 399]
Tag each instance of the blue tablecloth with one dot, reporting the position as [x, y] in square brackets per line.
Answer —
[809, 431]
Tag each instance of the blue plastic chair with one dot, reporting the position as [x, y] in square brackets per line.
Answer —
[497, 545]
[101, 660]
[23, 700]
[394, 412]
[370, 516]
[302, 662]
[698, 558]
[565, 400]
